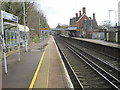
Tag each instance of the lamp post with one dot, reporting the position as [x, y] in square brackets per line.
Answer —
[116, 40]
[116, 26]
[109, 16]
[115, 18]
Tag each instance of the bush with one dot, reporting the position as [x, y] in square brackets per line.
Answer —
[35, 39]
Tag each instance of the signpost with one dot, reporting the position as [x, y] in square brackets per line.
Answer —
[42, 30]
[9, 17]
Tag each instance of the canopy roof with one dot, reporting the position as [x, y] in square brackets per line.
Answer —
[13, 26]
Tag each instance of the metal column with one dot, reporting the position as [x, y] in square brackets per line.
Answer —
[18, 41]
[3, 43]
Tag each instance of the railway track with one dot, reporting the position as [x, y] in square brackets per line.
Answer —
[73, 76]
[91, 71]
[109, 64]
[87, 46]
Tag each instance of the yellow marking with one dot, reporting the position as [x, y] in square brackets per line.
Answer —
[37, 71]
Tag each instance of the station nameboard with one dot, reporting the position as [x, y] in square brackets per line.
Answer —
[8, 16]
[44, 29]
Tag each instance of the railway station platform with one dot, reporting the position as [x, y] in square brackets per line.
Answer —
[51, 72]
[102, 42]
[38, 68]
[20, 73]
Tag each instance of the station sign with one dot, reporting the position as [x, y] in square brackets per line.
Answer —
[77, 29]
[44, 29]
[8, 16]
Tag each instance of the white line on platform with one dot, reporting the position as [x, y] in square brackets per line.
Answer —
[35, 50]
[70, 85]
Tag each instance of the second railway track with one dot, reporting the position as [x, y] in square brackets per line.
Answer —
[89, 72]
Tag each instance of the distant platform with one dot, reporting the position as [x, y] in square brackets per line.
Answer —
[102, 42]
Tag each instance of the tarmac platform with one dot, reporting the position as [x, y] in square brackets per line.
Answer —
[20, 73]
[96, 41]
[38, 68]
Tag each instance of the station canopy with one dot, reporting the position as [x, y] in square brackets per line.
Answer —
[9, 33]
[72, 28]
[12, 26]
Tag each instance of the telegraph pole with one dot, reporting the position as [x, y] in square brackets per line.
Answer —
[26, 48]
[115, 18]
[39, 29]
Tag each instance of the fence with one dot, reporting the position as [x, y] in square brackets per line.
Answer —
[112, 36]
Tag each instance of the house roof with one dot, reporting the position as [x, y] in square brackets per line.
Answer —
[82, 17]
[92, 23]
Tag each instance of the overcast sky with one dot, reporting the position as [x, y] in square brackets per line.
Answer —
[60, 11]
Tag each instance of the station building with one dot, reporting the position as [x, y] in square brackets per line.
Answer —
[85, 25]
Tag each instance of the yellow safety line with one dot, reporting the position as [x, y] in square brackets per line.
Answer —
[37, 71]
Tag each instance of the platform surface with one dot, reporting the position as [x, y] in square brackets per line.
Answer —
[102, 42]
[52, 73]
[20, 73]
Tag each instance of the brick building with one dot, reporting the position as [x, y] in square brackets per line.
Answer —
[85, 25]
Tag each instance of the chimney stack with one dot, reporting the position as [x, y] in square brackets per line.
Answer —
[80, 13]
[93, 16]
[76, 15]
[84, 10]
